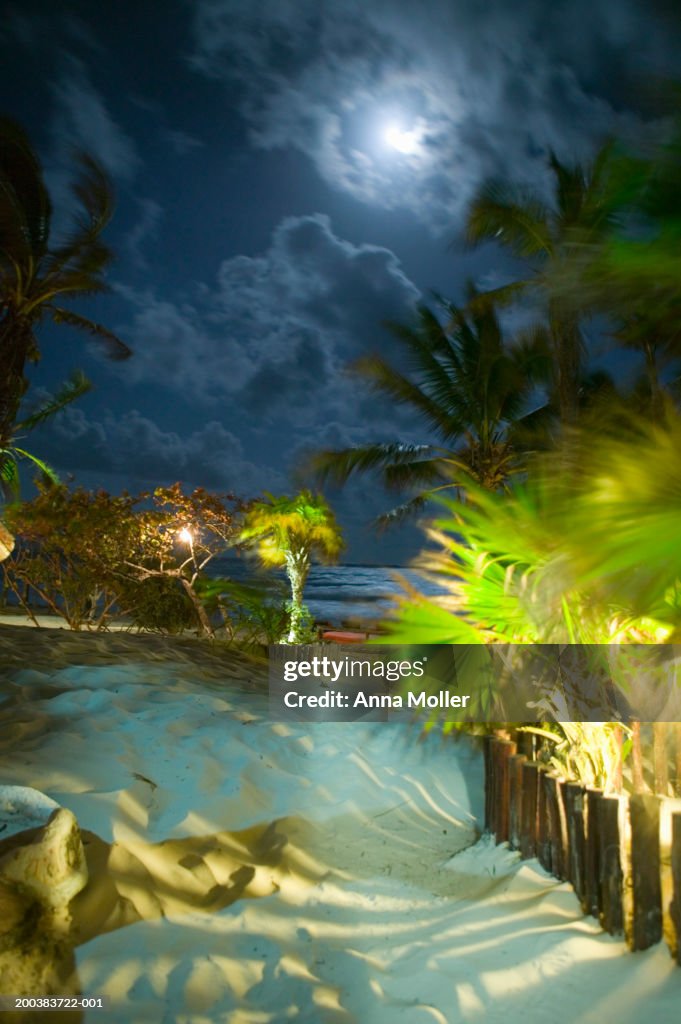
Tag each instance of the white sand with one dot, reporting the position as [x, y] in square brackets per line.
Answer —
[357, 911]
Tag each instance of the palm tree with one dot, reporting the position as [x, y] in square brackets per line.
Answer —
[555, 239]
[633, 273]
[471, 390]
[289, 532]
[34, 273]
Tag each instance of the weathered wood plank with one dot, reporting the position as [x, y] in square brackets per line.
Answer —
[574, 815]
[611, 914]
[591, 900]
[528, 837]
[515, 767]
[644, 813]
[543, 824]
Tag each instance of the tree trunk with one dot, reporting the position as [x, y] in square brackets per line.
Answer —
[297, 569]
[567, 347]
[204, 622]
[15, 343]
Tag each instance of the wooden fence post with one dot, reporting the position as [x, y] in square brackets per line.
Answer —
[525, 742]
[502, 750]
[675, 906]
[644, 812]
[574, 814]
[564, 837]
[611, 914]
[554, 826]
[515, 768]
[591, 899]
[528, 834]
[543, 824]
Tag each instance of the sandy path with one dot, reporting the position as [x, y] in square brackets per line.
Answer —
[248, 871]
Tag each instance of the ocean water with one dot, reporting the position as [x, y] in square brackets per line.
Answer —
[337, 593]
[334, 594]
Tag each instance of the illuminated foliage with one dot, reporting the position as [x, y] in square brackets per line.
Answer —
[290, 532]
[588, 555]
[85, 554]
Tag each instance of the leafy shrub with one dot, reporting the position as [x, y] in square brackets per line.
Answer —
[250, 613]
[87, 554]
[160, 605]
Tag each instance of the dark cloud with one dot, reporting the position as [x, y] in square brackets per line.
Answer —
[135, 448]
[279, 328]
[483, 87]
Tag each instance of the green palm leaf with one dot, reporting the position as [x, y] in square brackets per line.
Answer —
[116, 348]
[74, 388]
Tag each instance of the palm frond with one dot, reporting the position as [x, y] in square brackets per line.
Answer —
[386, 380]
[84, 249]
[408, 510]
[25, 207]
[510, 216]
[338, 465]
[44, 468]
[74, 388]
[9, 474]
[116, 348]
[303, 524]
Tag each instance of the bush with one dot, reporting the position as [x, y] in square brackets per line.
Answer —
[160, 605]
[87, 554]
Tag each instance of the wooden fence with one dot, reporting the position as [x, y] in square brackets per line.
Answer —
[621, 851]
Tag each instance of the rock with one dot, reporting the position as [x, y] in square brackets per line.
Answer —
[22, 808]
[42, 867]
[50, 864]
[6, 543]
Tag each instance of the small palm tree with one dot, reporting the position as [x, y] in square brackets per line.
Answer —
[289, 532]
[34, 274]
[474, 394]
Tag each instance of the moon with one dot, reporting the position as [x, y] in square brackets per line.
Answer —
[407, 141]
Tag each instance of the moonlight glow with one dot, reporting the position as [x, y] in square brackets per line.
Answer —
[407, 141]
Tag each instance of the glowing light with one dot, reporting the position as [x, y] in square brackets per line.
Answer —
[404, 141]
[185, 535]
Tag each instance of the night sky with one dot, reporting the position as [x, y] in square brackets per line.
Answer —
[289, 175]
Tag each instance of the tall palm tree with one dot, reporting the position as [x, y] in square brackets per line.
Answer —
[35, 274]
[553, 238]
[474, 394]
[633, 275]
[289, 532]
